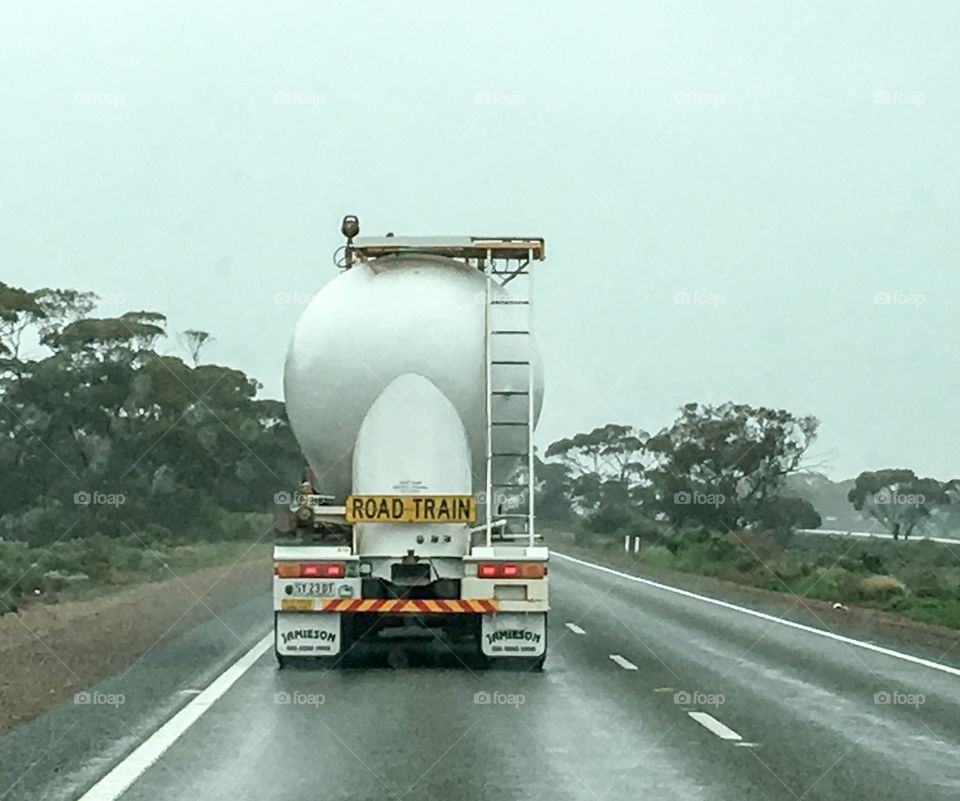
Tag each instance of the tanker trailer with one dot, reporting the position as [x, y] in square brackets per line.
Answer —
[413, 385]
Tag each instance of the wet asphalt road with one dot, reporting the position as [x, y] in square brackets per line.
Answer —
[423, 721]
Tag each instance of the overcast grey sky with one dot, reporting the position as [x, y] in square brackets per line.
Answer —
[742, 201]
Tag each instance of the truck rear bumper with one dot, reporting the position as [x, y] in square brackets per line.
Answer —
[409, 605]
[319, 634]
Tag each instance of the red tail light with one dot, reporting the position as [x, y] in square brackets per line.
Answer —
[488, 571]
[510, 570]
[321, 569]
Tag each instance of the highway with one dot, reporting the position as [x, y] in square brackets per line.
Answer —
[873, 535]
[647, 693]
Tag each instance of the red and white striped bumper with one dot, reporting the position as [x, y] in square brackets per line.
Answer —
[409, 605]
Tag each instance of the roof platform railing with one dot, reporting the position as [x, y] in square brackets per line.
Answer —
[473, 250]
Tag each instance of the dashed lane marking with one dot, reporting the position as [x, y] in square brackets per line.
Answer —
[712, 724]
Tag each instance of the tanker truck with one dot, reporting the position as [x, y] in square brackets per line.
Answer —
[413, 385]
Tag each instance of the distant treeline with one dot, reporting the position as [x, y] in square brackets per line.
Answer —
[101, 433]
[103, 438]
[723, 468]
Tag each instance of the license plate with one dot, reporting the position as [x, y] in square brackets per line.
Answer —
[313, 589]
[411, 509]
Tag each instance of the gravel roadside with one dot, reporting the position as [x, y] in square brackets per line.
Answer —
[50, 652]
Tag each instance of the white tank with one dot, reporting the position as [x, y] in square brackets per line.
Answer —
[422, 315]
[429, 455]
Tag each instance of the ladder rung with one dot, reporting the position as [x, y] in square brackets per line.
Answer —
[522, 487]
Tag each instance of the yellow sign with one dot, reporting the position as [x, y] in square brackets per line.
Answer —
[411, 509]
[297, 605]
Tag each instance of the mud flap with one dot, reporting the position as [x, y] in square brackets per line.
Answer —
[514, 634]
[305, 634]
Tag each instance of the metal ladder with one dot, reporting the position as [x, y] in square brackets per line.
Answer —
[508, 345]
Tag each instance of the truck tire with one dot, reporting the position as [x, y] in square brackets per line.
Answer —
[519, 664]
[536, 663]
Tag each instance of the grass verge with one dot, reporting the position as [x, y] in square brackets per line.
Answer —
[88, 567]
[916, 580]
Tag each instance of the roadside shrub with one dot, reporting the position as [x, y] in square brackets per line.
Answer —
[937, 611]
[609, 519]
[705, 556]
[14, 563]
[38, 525]
[154, 534]
[876, 588]
[558, 536]
[658, 556]
[760, 545]
[53, 582]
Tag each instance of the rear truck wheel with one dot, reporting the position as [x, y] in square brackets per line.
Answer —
[536, 665]
[288, 662]
[520, 664]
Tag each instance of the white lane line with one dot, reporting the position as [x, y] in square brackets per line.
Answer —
[625, 664]
[714, 725]
[116, 782]
[763, 616]
[574, 628]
